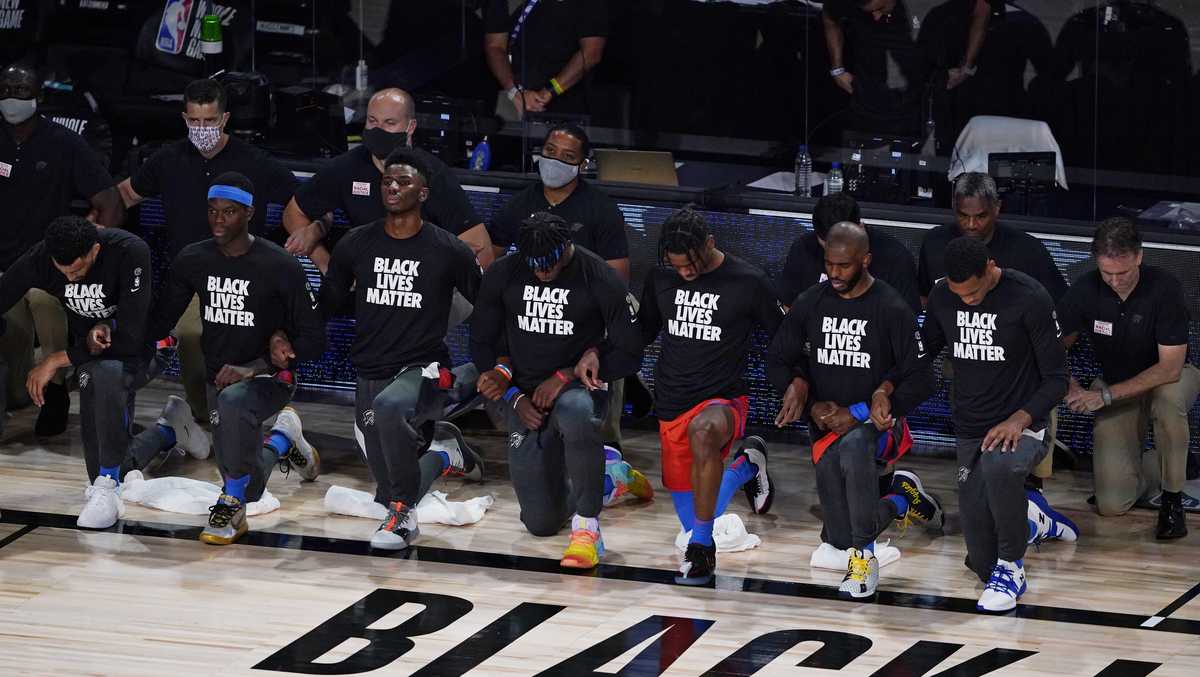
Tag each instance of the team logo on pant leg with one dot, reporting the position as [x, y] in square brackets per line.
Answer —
[515, 440]
[963, 474]
[214, 418]
[368, 417]
[85, 377]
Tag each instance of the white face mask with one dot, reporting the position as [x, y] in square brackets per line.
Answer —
[205, 139]
[556, 173]
[16, 111]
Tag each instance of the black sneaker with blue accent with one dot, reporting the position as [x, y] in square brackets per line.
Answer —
[699, 565]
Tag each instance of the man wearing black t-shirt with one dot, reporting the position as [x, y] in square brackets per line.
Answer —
[707, 305]
[976, 210]
[259, 319]
[558, 324]
[179, 174]
[102, 278]
[402, 273]
[1135, 318]
[1011, 371]
[43, 166]
[541, 52]
[805, 264]
[851, 345]
[349, 183]
[595, 220]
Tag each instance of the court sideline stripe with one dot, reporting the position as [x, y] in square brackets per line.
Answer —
[618, 572]
[1180, 602]
[17, 534]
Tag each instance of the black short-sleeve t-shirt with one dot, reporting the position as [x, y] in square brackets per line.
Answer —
[550, 35]
[890, 261]
[180, 176]
[1125, 335]
[601, 224]
[38, 180]
[350, 182]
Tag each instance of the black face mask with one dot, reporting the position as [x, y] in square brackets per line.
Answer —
[381, 142]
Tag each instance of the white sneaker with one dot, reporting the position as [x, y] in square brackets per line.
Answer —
[399, 530]
[759, 491]
[1003, 589]
[862, 575]
[303, 457]
[104, 505]
[189, 436]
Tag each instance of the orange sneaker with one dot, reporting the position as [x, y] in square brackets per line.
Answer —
[584, 550]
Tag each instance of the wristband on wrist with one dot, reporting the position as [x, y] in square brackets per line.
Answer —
[559, 375]
[836, 72]
[511, 92]
[860, 411]
[558, 89]
[511, 393]
[504, 369]
[1106, 395]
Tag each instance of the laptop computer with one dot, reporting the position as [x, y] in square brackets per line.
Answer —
[636, 166]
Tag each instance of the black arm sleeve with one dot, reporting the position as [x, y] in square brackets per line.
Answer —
[281, 183]
[487, 322]
[335, 287]
[924, 283]
[467, 274]
[1070, 315]
[785, 356]
[504, 226]
[768, 311]
[129, 324]
[913, 373]
[621, 350]
[791, 278]
[452, 211]
[649, 314]
[147, 180]
[932, 334]
[1046, 339]
[303, 325]
[611, 243]
[173, 300]
[87, 171]
[319, 195]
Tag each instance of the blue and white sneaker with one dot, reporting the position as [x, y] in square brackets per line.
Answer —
[1006, 585]
[1046, 523]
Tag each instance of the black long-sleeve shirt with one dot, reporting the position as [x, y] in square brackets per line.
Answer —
[1007, 352]
[402, 293]
[243, 301]
[544, 326]
[890, 262]
[845, 348]
[116, 291]
[707, 325]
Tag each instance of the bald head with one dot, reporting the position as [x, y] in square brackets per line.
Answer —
[850, 236]
[392, 102]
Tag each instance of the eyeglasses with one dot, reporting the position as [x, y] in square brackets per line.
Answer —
[21, 91]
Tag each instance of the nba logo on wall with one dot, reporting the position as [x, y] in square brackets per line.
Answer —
[172, 30]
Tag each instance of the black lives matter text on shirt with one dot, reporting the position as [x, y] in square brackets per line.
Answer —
[544, 326]
[243, 301]
[1007, 352]
[1125, 335]
[116, 291]
[41, 176]
[549, 37]
[890, 262]
[1010, 248]
[601, 226]
[350, 182]
[707, 325]
[179, 175]
[846, 348]
[402, 292]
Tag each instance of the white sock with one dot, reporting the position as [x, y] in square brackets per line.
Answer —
[589, 523]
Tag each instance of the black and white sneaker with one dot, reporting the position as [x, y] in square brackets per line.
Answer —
[759, 490]
[399, 530]
[699, 565]
[465, 462]
[922, 505]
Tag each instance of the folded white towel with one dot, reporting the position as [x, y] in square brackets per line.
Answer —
[729, 535]
[829, 557]
[433, 508]
[183, 495]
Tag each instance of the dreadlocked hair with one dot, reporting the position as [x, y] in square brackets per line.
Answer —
[543, 239]
[684, 232]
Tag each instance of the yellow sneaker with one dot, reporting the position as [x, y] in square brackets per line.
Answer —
[584, 550]
[625, 478]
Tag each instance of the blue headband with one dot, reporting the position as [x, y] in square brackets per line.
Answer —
[231, 193]
[545, 262]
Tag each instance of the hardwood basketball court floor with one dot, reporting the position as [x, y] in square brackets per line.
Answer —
[303, 593]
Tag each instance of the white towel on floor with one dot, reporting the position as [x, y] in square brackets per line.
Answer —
[183, 495]
[729, 534]
[829, 557]
[433, 508]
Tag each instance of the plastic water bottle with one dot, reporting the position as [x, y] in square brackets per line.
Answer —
[481, 157]
[804, 167]
[834, 182]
